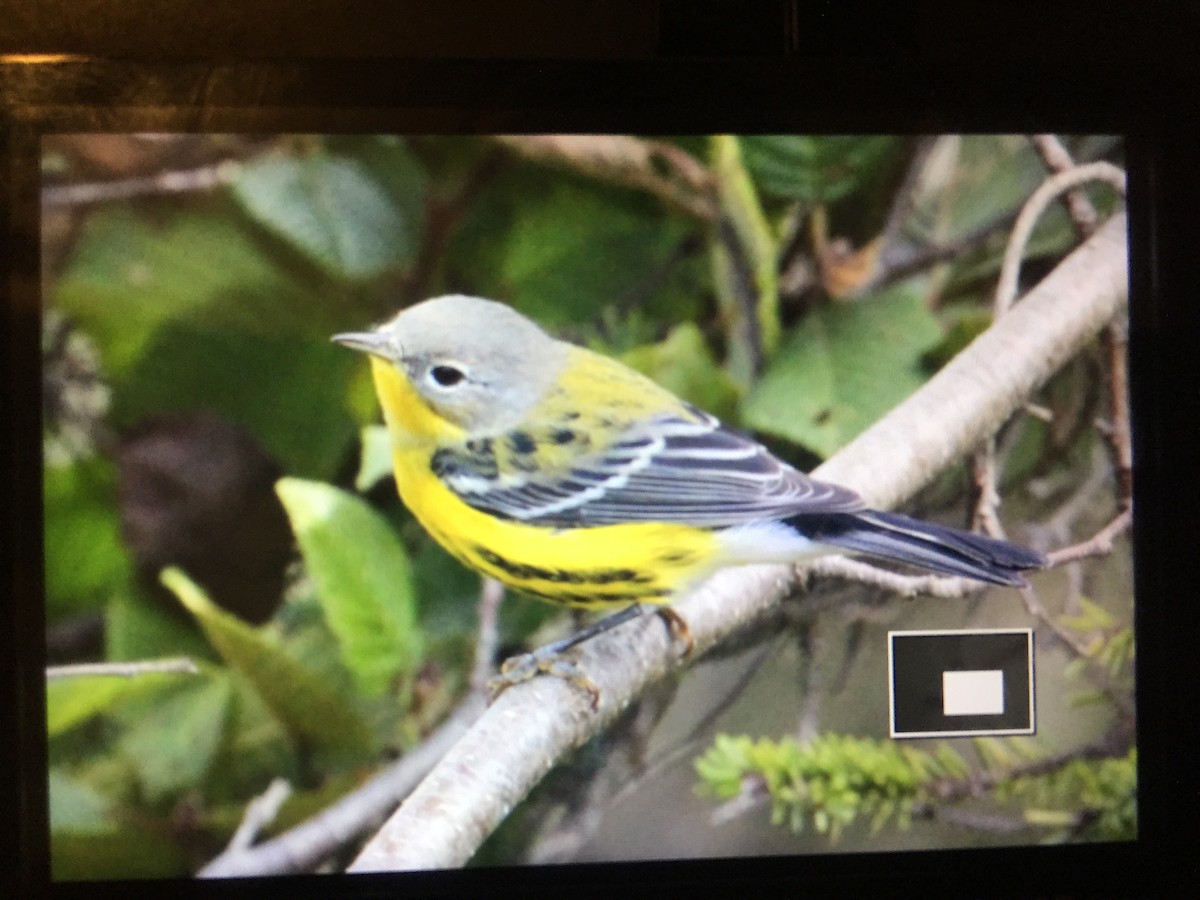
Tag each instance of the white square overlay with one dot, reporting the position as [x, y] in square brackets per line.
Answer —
[978, 693]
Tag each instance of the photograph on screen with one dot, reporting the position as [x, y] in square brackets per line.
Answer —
[421, 501]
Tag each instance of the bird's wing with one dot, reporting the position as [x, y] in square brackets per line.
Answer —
[668, 469]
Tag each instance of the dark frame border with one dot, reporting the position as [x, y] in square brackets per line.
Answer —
[670, 96]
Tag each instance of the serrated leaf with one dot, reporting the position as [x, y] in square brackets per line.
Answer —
[308, 710]
[813, 168]
[330, 208]
[363, 579]
[174, 743]
[843, 367]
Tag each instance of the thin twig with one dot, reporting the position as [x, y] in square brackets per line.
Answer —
[620, 762]
[1058, 159]
[896, 263]
[178, 181]
[908, 586]
[1116, 336]
[1119, 436]
[1046, 193]
[1095, 672]
[812, 690]
[984, 465]
[260, 812]
[978, 783]
[303, 848]
[181, 665]
[731, 692]
[1099, 544]
[753, 795]
[657, 167]
[1056, 530]
[491, 594]
[905, 198]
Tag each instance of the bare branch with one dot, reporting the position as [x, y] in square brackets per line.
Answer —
[1057, 159]
[260, 812]
[897, 263]
[979, 783]
[1120, 440]
[179, 181]
[1051, 188]
[908, 586]
[531, 726]
[181, 665]
[306, 846]
[984, 464]
[657, 167]
[1116, 336]
[491, 593]
[1099, 544]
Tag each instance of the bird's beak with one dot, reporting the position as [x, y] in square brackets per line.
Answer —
[367, 341]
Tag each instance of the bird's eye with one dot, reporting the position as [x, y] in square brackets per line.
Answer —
[447, 376]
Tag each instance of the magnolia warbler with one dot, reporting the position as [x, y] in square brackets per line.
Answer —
[574, 479]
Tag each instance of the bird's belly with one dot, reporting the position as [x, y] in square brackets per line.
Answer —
[603, 566]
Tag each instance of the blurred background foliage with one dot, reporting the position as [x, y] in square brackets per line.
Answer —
[199, 420]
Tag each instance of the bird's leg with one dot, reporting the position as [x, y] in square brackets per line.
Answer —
[549, 659]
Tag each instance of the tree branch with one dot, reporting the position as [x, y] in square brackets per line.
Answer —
[309, 844]
[181, 665]
[668, 172]
[532, 726]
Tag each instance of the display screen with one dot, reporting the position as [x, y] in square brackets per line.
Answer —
[282, 574]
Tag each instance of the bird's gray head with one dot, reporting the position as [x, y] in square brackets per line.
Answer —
[477, 363]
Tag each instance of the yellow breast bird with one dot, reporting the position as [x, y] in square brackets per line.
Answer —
[569, 477]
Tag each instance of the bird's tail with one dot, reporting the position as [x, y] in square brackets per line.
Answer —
[947, 551]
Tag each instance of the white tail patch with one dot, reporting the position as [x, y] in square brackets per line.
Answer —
[768, 542]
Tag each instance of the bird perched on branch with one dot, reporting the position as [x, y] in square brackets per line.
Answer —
[574, 479]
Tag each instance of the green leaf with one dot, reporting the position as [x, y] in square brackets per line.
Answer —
[684, 365]
[74, 805]
[376, 462]
[256, 748]
[813, 169]
[363, 578]
[173, 745]
[308, 710]
[332, 209]
[992, 175]
[577, 249]
[135, 627]
[844, 366]
[85, 559]
[131, 273]
[288, 391]
[72, 701]
[87, 842]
